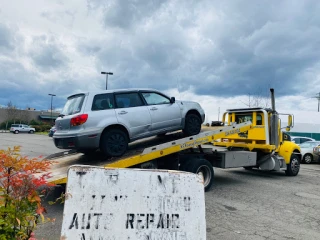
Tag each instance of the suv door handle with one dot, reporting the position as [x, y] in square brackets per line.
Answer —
[122, 112]
[154, 108]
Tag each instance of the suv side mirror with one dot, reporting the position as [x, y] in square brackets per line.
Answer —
[172, 100]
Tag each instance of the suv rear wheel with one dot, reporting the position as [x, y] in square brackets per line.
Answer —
[192, 125]
[16, 131]
[114, 143]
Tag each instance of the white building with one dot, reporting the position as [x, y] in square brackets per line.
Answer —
[306, 123]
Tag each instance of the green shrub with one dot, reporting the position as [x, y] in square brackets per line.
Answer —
[34, 122]
[37, 128]
[46, 128]
[42, 128]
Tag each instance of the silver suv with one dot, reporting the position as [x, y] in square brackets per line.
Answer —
[110, 119]
[16, 128]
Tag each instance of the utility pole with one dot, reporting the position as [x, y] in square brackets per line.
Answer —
[318, 97]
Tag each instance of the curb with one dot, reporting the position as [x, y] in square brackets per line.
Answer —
[61, 154]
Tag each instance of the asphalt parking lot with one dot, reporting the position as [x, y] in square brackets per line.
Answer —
[32, 145]
[241, 204]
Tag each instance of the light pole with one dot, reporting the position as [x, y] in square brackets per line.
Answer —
[52, 95]
[107, 73]
[318, 97]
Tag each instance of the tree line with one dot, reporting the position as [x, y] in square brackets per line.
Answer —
[15, 115]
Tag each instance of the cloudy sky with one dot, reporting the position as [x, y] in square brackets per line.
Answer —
[219, 53]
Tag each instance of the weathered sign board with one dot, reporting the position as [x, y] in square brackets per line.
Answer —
[133, 204]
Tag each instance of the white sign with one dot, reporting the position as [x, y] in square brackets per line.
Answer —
[133, 204]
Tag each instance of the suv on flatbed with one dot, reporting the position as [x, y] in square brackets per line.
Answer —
[110, 119]
[16, 128]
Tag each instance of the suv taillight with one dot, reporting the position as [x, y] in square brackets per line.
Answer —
[78, 120]
[316, 150]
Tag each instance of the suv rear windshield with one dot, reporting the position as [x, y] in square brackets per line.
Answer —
[15, 125]
[73, 104]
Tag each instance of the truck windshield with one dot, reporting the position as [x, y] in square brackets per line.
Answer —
[73, 105]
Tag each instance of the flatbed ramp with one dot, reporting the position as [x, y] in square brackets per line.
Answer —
[143, 151]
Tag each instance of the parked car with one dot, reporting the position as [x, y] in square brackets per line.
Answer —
[16, 128]
[217, 123]
[298, 140]
[110, 119]
[52, 131]
[307, 151]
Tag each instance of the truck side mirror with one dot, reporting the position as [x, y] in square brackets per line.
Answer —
[172, 100]
[290, 120]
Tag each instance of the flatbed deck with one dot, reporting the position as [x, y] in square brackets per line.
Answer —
[142, 151]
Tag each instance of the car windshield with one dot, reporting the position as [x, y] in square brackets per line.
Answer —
[73, 105]
[309, 144]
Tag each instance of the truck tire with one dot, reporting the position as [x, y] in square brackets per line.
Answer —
[31, 131]
[192, 125]
[16, 132]
[294, 166]
[114, 143]
[202, 167]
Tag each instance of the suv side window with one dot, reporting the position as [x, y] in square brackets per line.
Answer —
[153, 98]
[126, 100]
[102, 102]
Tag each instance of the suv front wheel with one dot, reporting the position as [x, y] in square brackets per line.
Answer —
[114, 143]
[192, 125]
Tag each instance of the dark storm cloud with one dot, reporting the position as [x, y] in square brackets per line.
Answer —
[47, 54]
[125, 14]
[213, 47]
[28, 88]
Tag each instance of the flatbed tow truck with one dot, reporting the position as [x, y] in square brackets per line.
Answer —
[252, 138]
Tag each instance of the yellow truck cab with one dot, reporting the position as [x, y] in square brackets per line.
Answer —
[265, 138]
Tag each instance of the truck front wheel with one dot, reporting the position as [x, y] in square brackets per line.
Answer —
[201, 167]
[294, 166]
